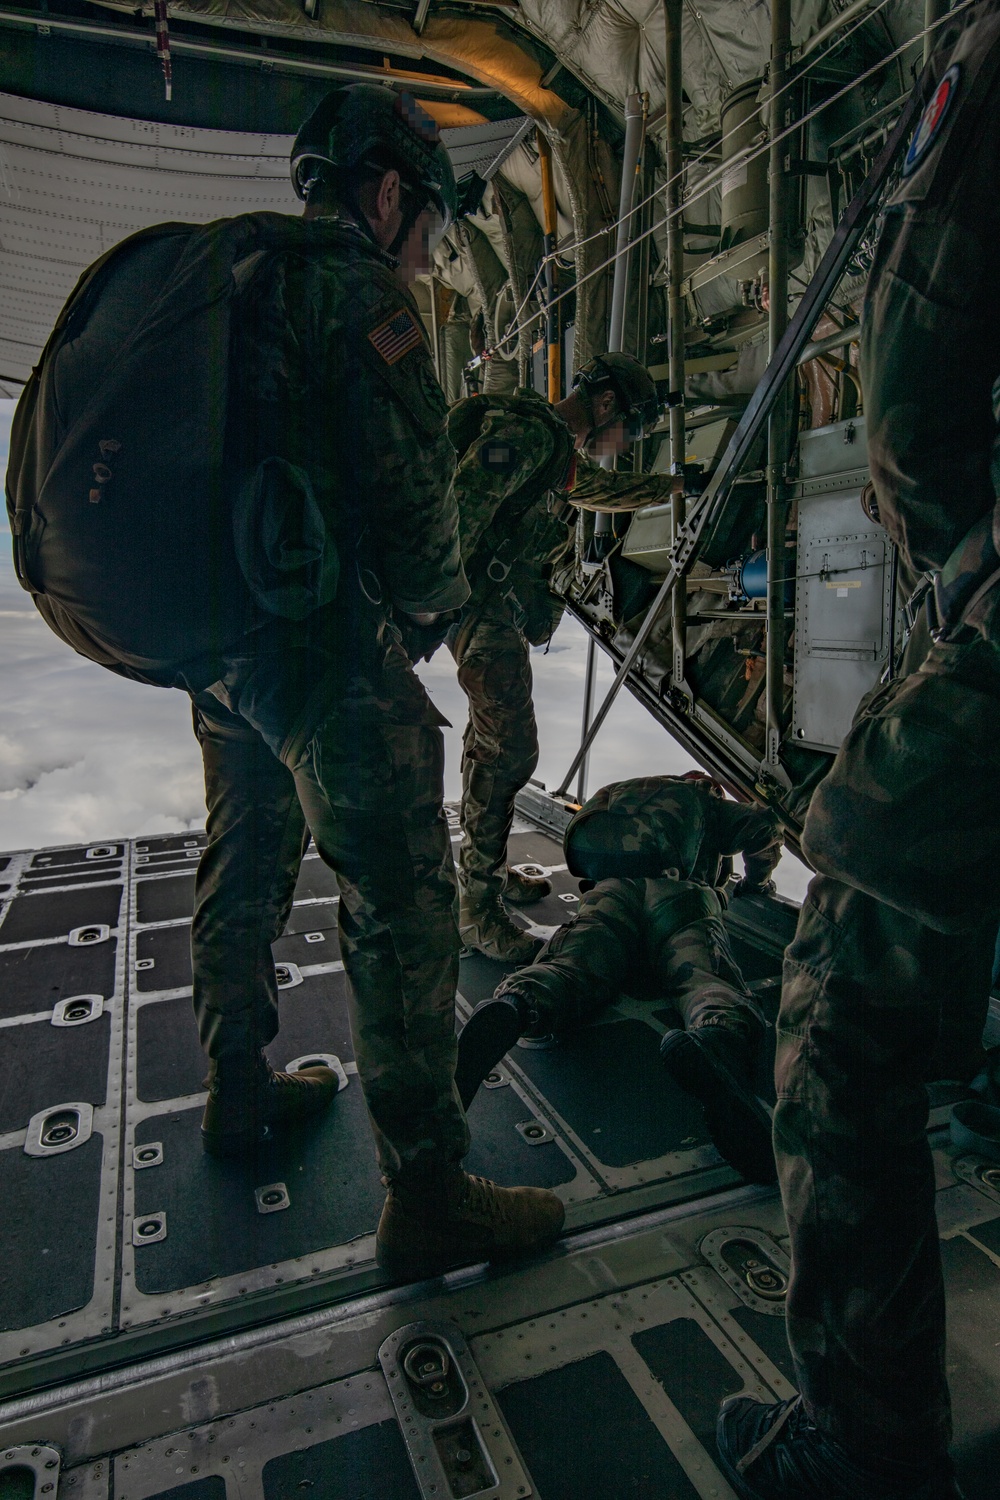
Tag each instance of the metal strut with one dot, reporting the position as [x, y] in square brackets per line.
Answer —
[676, 320]
[839, 251]
[779, 422]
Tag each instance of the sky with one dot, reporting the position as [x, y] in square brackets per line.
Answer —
[86, 756]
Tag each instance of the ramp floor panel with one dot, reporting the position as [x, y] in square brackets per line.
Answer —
[36, 979]
[561, 1423]
[214, 1226]
[607, 1360]
[608, 1085]
[163, 959]
[164, 900]
[346, 1467]
[171, 1063]
[198, 1489]
[51, 1217]
[561, 1344]
[54, 914]
[692, 1370]
[42, 1065]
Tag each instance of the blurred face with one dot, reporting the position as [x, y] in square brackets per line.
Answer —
[417, 252]
[611, 440]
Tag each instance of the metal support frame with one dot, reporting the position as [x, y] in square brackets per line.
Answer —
[636, 108]
[673, 14]
[779, 421]
[589, 689]
[838, 23]
[831, 268]
[636, 111]
[435, 87]
[550, 223]
[635, 129]
[819, 347]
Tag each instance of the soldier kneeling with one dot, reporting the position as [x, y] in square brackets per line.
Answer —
[652, 921]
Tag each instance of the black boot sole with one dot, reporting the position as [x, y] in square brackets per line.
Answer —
[488, 1035]
[737, 1121]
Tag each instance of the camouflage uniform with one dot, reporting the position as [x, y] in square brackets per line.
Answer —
[321, 721]
[905, 910]
[516, 473]
[662, 935]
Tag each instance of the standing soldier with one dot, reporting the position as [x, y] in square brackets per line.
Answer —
[657, 848]
[904, 833]
[338, 503]
[521, 473]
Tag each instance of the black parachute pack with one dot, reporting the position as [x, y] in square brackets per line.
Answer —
[513, 549]
[126, 517]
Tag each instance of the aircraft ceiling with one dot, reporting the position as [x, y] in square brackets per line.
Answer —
[90, 149]
[74, 182]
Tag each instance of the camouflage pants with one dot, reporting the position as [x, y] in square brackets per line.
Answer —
[875, 1001]
[500, 747]
[654, 938]
[371, 794]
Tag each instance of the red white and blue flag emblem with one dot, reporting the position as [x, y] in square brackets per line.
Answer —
[932, 119]
[396, 336]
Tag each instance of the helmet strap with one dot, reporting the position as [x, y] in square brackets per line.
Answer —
[597, 428]
[412, 208]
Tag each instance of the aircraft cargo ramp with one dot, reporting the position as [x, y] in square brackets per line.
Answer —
[176, 1327]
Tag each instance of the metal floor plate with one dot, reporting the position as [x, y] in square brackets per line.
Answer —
[607, 1358]
[149, 1238]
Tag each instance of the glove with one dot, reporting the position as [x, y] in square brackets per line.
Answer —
[421, 641]
[747, 887]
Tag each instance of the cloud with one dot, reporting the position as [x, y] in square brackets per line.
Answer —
[87, 756]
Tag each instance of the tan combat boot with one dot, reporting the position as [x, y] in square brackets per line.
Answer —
[487, 928]
[424, 1231]
[247, 1103]
[522, 890]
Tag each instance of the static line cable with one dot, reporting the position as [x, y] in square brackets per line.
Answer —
[762, 150]
[705, 155]
[852, 223]
[710, 180]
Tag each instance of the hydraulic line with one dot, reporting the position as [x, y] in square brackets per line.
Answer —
[831, 268]
[635, 130]
[673, 11]
[707, 155]
[779, 421]
[550, 231]
[716, 175]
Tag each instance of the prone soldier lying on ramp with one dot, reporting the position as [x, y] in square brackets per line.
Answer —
[652, 922]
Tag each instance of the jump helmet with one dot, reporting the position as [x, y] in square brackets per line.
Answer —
[634, 388]
[370, 124]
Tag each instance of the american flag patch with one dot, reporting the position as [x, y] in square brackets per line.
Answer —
[396, 336]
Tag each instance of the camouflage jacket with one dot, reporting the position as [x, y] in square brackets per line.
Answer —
[336, 381]
[930, 345]
[336, 377]
[517, 484]
[595, 488]
[655, 824]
